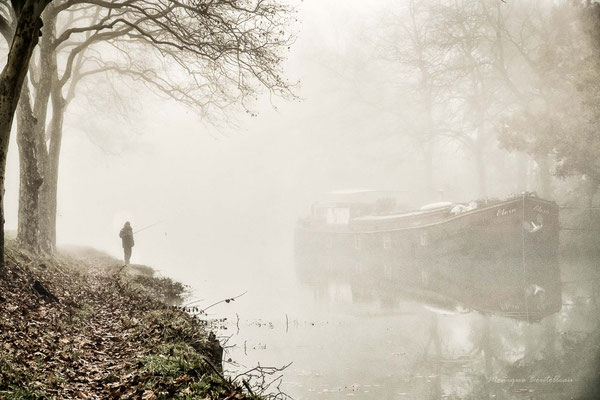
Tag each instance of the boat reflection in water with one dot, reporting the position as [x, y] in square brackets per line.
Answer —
[494, 257]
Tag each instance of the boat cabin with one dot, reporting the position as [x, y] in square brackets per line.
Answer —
[340, 207]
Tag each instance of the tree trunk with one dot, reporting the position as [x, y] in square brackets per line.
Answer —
[11, 81]
[481, 172]
[50, 186]
[33, 219]
[428, 164]
[29, 174]
[429, 139]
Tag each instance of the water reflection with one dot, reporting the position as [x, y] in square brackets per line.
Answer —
[473, 327]
[510, 285]
[490, 327]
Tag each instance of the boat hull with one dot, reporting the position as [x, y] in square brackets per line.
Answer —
[490, 258]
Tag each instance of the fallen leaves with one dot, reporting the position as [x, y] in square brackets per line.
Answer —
[148, 395]
[74, 331]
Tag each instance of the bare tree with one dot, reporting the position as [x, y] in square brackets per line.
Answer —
[20, 23]
[209, 55]
[452, 54]
[411, 45]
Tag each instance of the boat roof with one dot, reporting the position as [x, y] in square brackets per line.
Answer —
[401, 215]
[359, 196]
[389, 217]
[351, 191]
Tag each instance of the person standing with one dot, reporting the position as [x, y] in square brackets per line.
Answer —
[126, 236]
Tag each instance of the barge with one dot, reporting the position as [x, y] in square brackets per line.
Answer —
[496, 256]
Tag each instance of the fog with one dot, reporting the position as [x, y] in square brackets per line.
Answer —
[239, 186]
[219, 201]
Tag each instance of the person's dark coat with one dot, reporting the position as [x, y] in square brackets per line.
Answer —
[126, 236]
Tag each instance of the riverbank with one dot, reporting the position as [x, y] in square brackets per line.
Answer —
[79, 325]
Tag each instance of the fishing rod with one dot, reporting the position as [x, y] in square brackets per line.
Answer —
[147, 227]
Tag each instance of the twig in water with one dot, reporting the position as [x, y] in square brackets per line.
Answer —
[257, 381]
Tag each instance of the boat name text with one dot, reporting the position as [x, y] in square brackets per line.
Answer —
[503, 211]
[540, 209]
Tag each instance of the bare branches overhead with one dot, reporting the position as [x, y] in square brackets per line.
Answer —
[236, 46]
[209, 55]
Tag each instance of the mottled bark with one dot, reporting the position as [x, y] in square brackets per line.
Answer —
[30, 177]
[11, 80]
[33, 153]
[50, 186]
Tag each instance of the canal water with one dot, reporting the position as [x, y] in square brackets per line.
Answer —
[337, 341]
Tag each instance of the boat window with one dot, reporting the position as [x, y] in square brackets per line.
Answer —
[357, 242]
[338, 215]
